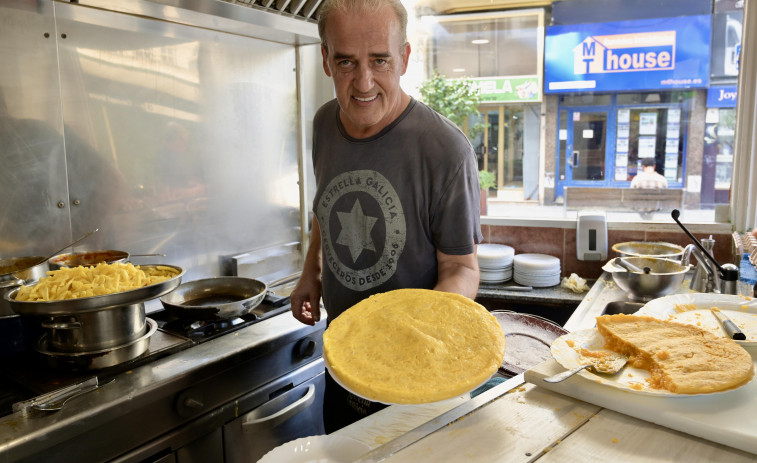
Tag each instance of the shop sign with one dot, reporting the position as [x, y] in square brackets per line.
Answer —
[722, 96]
[508, 89]
[651, 54]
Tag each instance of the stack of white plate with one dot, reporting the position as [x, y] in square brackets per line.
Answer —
[495, 262]
[537, 270]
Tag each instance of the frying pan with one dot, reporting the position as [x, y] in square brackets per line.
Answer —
[215, 298]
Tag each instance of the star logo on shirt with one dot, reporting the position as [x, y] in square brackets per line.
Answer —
[356, 230]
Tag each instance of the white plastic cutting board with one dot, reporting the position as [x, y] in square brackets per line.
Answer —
[729, 418]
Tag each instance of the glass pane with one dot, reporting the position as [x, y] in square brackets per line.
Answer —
[717, 167]
[492, 117]
[478, 140]
[513, 149]
[484, 45]
[563, 140]
[654, 133]
[724, 159]
[589, 134]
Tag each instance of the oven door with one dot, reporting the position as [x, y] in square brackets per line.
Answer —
[296, 412]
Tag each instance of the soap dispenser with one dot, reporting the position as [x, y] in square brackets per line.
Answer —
[591, 235]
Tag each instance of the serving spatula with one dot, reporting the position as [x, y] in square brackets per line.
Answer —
[609, 364]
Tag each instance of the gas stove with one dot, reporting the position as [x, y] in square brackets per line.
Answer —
[196, 378]
[27, 374]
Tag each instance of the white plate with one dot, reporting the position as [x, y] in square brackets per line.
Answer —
[629, 379]
[694, 309]
[536, 262]
[494, 254]
[496, 268]
[317, 449]
[537, 282]
[336, 378]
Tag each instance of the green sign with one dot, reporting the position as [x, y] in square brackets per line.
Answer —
[508, 89]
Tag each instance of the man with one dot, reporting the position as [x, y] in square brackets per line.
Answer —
[397, 201]
[648, 177]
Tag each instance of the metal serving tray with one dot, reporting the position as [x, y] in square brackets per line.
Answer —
[95, 303]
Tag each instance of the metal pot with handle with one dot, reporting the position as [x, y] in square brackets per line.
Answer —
[17, 334]
[17, 271]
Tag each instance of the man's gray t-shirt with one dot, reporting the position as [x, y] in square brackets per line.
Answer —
[385, 204]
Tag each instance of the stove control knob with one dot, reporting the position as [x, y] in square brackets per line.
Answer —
[189, 403]
[305, 348]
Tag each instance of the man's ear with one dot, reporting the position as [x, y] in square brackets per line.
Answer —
[405, 57]
[325, 55]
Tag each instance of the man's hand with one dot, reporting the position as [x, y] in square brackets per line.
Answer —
[305, 299]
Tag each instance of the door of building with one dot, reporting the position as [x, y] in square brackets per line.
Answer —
[587, 148]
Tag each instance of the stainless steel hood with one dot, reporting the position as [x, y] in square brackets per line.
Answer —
[291, 22]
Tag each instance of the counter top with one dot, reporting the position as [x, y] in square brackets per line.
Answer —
[517, 421]
[550, 295]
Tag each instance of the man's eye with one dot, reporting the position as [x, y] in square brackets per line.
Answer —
[344, 63]
[381, 62]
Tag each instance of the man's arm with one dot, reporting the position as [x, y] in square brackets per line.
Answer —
[306, 296]
[458, 274]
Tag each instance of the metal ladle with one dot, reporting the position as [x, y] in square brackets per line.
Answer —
[67, 246]
[630, 267]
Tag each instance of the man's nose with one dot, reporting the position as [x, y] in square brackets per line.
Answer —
[364, 78]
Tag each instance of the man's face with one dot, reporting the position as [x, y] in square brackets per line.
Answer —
[366, 59]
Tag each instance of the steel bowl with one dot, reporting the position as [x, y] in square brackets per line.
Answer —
[665, 277]
[648, 249]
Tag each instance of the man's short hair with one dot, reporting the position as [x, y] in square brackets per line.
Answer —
[648, 162]
[364, 6]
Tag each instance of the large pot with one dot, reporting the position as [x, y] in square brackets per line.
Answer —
[15, 272]
[215, 298]
[98, 359]
[97, 330]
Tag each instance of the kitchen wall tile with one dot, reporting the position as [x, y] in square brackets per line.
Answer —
[530, 239]
[561, 243]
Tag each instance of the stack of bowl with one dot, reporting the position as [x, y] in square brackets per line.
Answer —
[495, 262]
[537, 270]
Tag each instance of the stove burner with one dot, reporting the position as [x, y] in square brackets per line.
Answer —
[199, 331]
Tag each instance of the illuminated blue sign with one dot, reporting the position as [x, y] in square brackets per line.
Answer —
[722, 96]
[664, 53]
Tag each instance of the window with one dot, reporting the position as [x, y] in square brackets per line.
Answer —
[594, 132]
